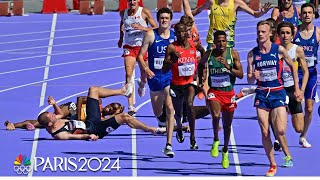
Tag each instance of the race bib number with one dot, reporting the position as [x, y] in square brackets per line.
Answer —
[186, 69]
[79, 125]
[269, 74]
[310, 61]
[287, 74]
[220, 81]
[158, 63]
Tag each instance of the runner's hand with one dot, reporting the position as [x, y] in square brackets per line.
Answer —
[138, 27]
[256, 74]
[224, 62]
[120, 43]
[93, 137]
[298, 95]
[51, 101]
[10, 126]
[266, 7]
[149, 73]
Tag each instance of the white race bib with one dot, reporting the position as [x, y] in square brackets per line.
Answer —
[158, 63]
[220, 81]
[310, 61]
[269, 74]
[79, 125]
[287, 76]
[186, 69]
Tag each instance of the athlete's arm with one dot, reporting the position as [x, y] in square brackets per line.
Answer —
[168, 60]
[250, 76]
[147, 41]
[302, 61]
[23, 124]
[243, 6]
[121, 30]
[204, 6]
[237, 67]
[201, 67]
[186, 8]
[199, 48]
[149, 19]
[318, 35]
[205, 56]
[57, 111]
[67, 136]
[275, 14]
[283, 53]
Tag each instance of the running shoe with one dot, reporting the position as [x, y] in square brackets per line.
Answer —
[304, 143]
[160, 131]
[179, 135]
[276, 146]
[214, 149]
[168, 151]
[225, 160]
[132, 110]
[200, 95]
[193, 144]
[272, 171]
[128, 89]
[142, 88]
[288, 161]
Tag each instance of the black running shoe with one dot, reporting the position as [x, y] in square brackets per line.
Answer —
[193, 144]
[276, 146]
[179, 135]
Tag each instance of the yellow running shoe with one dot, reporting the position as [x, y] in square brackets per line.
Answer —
[214, 149]
[225, 160]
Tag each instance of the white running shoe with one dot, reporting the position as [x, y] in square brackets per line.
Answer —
[160, 131]
[129, 89]
[168, 151]
[304, 143]
[141, 88]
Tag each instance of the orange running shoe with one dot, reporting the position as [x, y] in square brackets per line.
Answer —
[200, 95]
[272, 171]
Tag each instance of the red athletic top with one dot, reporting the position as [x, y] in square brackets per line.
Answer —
[186, 65]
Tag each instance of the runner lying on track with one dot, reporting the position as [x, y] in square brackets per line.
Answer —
[94, 127]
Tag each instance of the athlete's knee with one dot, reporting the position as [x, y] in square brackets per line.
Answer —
[309, 109]
[126, 118]
[94, 90]
[189, 104]
[215, 115]
[265, 134]
[170, 109]
[298, 129]
[281, 131]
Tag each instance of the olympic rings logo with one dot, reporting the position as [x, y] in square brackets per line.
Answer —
[22, 169]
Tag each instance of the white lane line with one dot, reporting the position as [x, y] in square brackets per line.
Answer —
[37, 131]
[46, 69]
[68, 52]
[60, 30]
[61, 77]
[57, 45]
[233, 143]
[59, 64]
[43, 89]
[134, 144]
